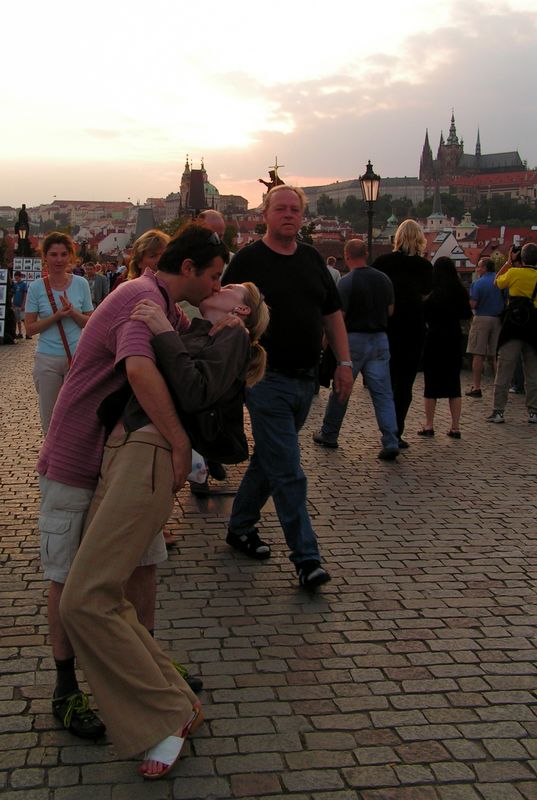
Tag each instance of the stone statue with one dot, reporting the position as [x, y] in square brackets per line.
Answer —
[22, 229]
[275, 180]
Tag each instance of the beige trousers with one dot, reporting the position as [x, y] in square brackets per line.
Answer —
[49, 374]
[507, 357]
[140, 695]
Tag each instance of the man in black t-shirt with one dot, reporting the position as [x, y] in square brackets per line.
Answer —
[367, 298]
[303, 304]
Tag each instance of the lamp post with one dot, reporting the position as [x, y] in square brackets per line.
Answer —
[370, 185]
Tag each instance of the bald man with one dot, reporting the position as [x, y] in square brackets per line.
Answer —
[214, 220]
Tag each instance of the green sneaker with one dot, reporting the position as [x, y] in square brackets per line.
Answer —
[194, 681]
[76, 716]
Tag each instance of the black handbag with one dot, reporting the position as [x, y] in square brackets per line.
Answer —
[327, 367]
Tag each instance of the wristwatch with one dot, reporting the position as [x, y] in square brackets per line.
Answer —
[344, 364]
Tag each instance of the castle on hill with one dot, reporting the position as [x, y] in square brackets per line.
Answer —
[451, 161]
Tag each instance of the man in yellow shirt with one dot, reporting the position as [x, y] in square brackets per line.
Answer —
[520, 282]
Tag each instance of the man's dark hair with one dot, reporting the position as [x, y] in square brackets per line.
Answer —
[529, 254]
[196, 242]
[18, 274]
[489, 264]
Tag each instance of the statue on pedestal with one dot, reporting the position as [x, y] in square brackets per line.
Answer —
[22, 229]
[275, 179]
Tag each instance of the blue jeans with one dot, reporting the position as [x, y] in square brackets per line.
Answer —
[370, 355]
[278, 408]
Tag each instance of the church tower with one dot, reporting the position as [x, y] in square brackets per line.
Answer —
[426, 160]
[450, 152]
[478, 146]
[185, 184]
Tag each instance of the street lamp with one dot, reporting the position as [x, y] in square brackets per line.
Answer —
[370, 184]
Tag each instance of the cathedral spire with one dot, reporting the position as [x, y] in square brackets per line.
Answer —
[426, 160]
[452, 138]
[478, 145]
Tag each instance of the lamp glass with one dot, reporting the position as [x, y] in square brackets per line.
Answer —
[370, 184]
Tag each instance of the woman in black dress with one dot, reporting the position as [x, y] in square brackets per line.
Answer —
[411, 275]
[444, 307]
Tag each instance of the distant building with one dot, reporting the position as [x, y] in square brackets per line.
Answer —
[477, 176]
[398, 188]
[451, 160]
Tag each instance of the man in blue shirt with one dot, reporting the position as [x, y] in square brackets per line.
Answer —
[487, 302]
[20, 290]
[367, 298]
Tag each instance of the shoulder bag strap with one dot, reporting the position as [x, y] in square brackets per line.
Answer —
[59, 322]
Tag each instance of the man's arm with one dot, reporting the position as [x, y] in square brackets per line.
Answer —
[152, 393]
[336, 333]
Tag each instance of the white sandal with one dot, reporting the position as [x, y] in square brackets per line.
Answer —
[168, 751]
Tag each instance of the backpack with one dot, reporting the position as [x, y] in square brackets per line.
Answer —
[520, 320]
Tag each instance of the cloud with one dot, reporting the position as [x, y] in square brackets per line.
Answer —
[100, 133]
[483, 63]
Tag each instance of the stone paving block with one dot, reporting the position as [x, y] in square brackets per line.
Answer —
[402, 793]
[499, 792]
[254, 785]
[83, 793]
[31, 794]
[312, 780]
[194, 788]
[27, 778]
[145, 791]
[461, 792]
[317, 759]
[508, 771]
[260, 762]
[364, 777]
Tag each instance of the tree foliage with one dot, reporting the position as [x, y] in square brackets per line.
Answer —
[173, 225]
[305, 233]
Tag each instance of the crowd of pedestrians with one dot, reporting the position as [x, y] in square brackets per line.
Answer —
[120, 369]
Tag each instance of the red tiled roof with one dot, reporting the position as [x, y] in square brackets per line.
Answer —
[526, 178]
[489, 232]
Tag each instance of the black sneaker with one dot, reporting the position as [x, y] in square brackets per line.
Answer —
[194, 681]
[318, 438]
[388, 454]
[474, 393]
[311, 574]
[76, 716]
[249, 543]
[403, 445]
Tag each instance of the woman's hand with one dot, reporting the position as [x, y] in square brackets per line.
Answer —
[66, 309]
[231, 320]
[154, 317]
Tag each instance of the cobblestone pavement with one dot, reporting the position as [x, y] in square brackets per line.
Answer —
[411, 676]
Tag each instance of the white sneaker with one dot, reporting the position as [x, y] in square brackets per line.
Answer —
[532, 417]
[497, 417]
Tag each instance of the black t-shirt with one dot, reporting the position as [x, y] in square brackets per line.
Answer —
[298, 290]
[366, 294]
[412, 278]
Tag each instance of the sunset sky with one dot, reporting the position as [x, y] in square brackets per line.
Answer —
[104, 100]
